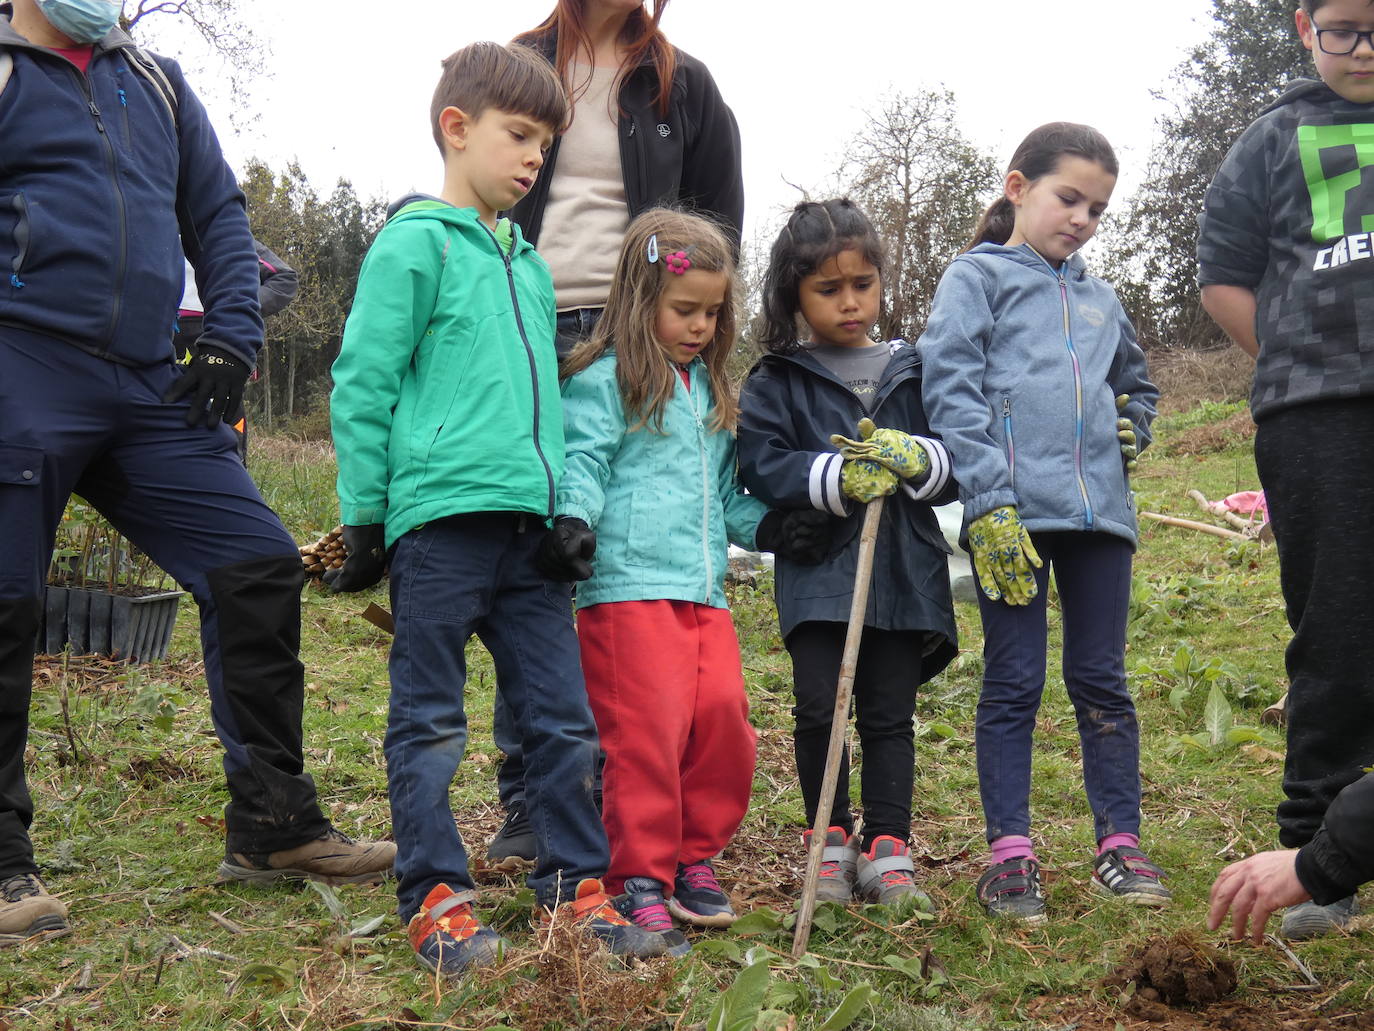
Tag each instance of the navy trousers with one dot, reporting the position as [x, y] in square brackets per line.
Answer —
[1093, 574]
[72, 422]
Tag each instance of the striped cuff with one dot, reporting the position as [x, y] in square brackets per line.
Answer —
[939, 470]
[825, 484]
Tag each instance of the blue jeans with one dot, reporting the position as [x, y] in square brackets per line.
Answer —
[1093, 574]
[574, 326]
[450, 579]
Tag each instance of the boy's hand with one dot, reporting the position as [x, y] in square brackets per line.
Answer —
[215, 380]
[1125, 432]
[366, 560]
[863, 480]
[799, 535]
[1003, 555]
[895, 450]
[565, 552]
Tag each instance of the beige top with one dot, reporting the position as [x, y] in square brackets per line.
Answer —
[586, 213]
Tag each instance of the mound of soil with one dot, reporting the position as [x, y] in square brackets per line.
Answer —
[1177, 971]
[1212, 437]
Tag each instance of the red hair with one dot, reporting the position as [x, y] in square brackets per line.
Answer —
[642, 38]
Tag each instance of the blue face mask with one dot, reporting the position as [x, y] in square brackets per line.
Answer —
[82, 21]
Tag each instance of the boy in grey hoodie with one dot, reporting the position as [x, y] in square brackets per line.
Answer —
[1282, 253]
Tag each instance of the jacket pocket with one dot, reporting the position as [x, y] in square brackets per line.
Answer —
[1011, 439]
[16, 233]
[20, 466]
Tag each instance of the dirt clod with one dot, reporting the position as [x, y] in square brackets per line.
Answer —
[1176, 970]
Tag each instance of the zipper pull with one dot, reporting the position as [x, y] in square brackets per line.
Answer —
[1006, 408]
[95, 113]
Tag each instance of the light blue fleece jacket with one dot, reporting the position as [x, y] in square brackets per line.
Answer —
[1023, 362]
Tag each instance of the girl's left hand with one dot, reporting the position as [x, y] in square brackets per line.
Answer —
[1125, 432]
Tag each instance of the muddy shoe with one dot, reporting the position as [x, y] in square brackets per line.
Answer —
[886, 874]
[839, 860]
[27, 910]
[1309, 920]
[513, 846]
[592, 912]
[698, 897]
[332, 859]
[1125, 873]
[1011, 890]
[447, 938]
[643, 905]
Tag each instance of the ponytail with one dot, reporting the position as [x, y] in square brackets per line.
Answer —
[996, 224]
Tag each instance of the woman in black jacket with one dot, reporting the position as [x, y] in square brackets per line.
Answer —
[649, 129]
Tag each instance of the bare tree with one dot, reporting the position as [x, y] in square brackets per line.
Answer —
[220, 26]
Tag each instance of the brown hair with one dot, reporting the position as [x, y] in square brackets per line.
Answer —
[510, 78]
[647, 376]
[1313, 6]
[642, 38]
[1036, 157]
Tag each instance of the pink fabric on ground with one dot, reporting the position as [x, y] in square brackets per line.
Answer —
[1248, 503]
[1012, 846]
[1117, 841]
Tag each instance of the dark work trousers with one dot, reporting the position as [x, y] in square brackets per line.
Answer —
[1093, 574]
[450, 579]
[72, 422]
[572, 328]
[884, 701]
[1316, 464]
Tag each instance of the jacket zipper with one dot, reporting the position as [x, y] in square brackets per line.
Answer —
[529, 353]
[1078, 404]
[705, 491]
[121, 267]
[21, 240]
[1011, 441]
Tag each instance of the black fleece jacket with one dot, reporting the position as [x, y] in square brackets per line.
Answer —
[1341, 856]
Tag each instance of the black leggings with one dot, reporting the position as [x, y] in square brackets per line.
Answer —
[888, 671]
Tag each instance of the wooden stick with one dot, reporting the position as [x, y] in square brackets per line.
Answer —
[1192, 524]
[858, 606]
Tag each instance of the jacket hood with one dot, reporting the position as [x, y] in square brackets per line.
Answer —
[1024, 254]
[112, 40]
[425, 205]
[1297, 90]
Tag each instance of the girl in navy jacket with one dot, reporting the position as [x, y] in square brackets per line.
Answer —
[827, 266]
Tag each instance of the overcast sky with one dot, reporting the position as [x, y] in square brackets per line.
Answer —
[351, 80]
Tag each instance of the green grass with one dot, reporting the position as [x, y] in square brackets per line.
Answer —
[129, 795]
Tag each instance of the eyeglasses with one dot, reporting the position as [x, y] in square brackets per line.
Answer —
[1340, 42]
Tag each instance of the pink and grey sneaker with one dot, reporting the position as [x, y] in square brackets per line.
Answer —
[839, 861]
[698, 898]
[1124, 873]
[886, 874]
[643, 904]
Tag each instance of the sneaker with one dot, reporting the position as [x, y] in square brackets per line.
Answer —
[1125, 873]
[513, 847]
[697, 896]
[643, 905]
[885, 874]
[27, 910]
[447, 938]
[1309, 920]
[333, 858]
[593, 911]
[839, 861]
[1011, 889]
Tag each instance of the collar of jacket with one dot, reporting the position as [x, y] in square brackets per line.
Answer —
[115, 39]
[1025, 254]
[424, 205]
[904, 363]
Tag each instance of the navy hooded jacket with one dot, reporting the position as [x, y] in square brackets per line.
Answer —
[100, 188]
[789, 407]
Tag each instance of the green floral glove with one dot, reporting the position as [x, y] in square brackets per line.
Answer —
[1003, 555]
[892, 449]
[1125, 432]
[863, 480]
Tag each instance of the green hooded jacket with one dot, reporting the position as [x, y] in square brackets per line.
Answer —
[445, 393]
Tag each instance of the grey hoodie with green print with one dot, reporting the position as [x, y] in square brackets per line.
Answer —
[1289, 215]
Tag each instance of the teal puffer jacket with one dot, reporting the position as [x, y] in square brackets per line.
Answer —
[665, 505]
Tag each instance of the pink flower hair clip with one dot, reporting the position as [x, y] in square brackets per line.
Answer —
[678, 262]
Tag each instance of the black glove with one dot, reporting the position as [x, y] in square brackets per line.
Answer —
[565, 551]
[366, 561]
[799, 535]
[215, 380]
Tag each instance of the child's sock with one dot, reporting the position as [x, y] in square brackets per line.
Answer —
[1012, 846]
[1117, 841]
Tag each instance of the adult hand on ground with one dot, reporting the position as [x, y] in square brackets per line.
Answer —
[565, 552]
[366, 560]
[214, 380]
[1125, 433]
[1003, 555]
[1253, 889]
[892, 449]
[799, 535]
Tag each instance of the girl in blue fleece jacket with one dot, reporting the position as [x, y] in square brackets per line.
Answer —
[1037, 386]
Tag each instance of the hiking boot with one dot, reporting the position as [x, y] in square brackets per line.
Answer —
[698, 897]
[334, 858]
[643, 905]
[1011, 889]
[26, 910]
[593, 912]
[1309, 920]
[885, 874]
[513, 847]
[839, 861]
[1125, 873]
[447, 938]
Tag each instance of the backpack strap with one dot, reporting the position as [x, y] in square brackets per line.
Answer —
[152, 71]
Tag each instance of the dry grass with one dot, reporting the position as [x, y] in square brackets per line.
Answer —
[1185, 377]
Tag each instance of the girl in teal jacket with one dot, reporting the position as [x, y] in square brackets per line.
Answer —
[650, 468]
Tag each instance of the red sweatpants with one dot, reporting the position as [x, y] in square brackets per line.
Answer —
[667, 691]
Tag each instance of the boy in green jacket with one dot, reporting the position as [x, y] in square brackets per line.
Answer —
[448, 428]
